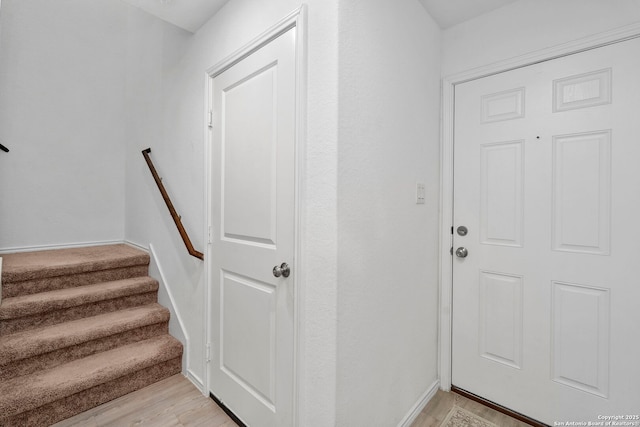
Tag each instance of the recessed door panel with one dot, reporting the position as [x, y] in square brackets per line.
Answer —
[249, 143]
[505, 105]
[581, 322]
[582, 91]
[501, 193]
[501, 318]
[248, 334]
[582, 192]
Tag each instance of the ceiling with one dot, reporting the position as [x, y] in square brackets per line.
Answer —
[186, 14]
[192, 14]
[448, 13]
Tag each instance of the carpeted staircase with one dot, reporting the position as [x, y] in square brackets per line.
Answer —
[79, 327]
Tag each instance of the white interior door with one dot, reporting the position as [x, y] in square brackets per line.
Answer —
[546, 305]
[253, 228]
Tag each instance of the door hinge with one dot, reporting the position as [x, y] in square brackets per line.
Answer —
[208, 355]
[210, 118]
[209, 237]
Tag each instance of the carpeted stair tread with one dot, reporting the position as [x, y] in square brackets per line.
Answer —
[26, 344]
[51, 263]
[43, 302]
[25, 393]
[79, 327]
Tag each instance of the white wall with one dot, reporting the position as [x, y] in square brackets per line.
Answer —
[61, 115]
[387, 244]
[108, 81]
[530, 25]
[169, 116]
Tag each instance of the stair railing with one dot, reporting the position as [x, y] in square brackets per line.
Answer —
[167, 200]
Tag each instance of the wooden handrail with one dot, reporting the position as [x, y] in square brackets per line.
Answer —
[172, 210]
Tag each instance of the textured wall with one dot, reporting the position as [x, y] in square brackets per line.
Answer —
[387, 244]
[62, 83]
[530, 25]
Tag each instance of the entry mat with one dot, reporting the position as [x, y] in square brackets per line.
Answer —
[459, 417]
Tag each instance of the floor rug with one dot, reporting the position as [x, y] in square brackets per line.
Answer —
[459, 417]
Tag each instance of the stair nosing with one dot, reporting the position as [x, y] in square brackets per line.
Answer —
[117, 363]
[135, 257]
[96, 292]
[35, 342]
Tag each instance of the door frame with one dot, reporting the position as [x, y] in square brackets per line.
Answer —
[449, 83]
[297, 20]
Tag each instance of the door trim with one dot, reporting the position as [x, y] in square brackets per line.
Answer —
[297, 20]
[446, 170]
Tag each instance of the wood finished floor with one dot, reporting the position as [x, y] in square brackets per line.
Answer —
[176, 402]
[172, 402]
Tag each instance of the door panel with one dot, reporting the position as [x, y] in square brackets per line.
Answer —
[582, 192]
[545, 303]
[581, 360]
[249, 153]
[501, 318]
[501, 192]
[249, 362]
[253, 229]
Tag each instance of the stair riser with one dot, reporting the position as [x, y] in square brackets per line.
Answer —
[67, 354]
[28, 287]
[64, 408]
[11, 326]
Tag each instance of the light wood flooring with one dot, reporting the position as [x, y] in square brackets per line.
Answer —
[172, 402]
[176, 402]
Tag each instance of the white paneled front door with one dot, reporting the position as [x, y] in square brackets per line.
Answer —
[253, 230]
[546, 302]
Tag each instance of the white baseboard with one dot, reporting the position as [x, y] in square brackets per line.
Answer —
[137, 246]
[63, 246]
[177, 328]
[197, 381]
[419, 405]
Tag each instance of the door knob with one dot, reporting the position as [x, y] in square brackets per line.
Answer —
[462, 252]
[282, 270]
